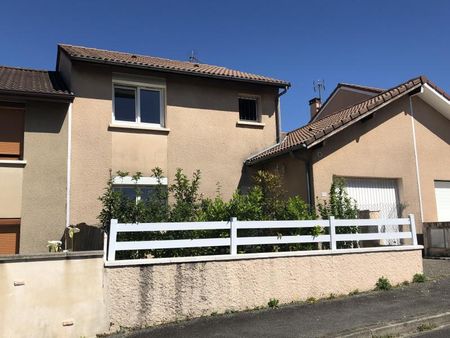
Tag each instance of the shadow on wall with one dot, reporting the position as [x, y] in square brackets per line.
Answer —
[362, 127]
[94, 81]
[431, 119]
[45, 117]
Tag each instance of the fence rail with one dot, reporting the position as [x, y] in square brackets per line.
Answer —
[233, 241]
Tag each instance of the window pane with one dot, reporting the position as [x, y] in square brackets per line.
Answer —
[247, 110]
[150, 106]
[124, 104]
[128, 192]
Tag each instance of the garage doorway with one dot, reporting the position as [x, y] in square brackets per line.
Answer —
[442, 193]
[377, 195]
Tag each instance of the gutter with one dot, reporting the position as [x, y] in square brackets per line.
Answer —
[53, 97]
[284, 91]
[69, 161]
[416, 158]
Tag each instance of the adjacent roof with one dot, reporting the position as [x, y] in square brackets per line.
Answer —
[373, 90]
[156, 63]
[32, 82]
[317, 131]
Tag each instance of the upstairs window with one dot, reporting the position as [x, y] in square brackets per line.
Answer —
[248, 109]
[138, 105]
[11, 132]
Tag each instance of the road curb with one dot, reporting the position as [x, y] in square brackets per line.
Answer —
[399, 328]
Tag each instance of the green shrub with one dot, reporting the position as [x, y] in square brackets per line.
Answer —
[273, 303]
[419, 278]
[311, 300]
[263, 201]
[341, 206]
[383, 284]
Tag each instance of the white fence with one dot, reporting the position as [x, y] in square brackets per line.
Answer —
[233, 241]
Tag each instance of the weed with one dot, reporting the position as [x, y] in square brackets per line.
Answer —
[354, 292]
[273, 303]
[332, 296]
[311, 300]
[419, 278]
[214, 313]
[426, 327]
[383, 284]
[405, 283]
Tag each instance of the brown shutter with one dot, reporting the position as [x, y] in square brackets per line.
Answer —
[11, 132]
[9, 236]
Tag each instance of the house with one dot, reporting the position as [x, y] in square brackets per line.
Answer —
[391, 146]
[63, 131]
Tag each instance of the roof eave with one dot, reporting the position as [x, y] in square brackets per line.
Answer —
[281, 84]
[30, 94]
[323, 137]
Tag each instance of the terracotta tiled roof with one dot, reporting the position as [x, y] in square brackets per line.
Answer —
[21, 81]
[316, 131]
[156, 63]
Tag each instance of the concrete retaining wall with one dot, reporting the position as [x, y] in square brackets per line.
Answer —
[52, 295]
[152, 294]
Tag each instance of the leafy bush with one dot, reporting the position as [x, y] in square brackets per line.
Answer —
[263, 201]
[419, 278]
[341, 206]
[273, 303]
[383, 284]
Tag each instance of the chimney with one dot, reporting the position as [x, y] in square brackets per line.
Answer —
[314, 106]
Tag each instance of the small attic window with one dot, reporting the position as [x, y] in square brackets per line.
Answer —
[248, 109]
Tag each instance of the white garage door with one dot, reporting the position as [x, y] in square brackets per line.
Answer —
[442, 191]
[377, 194]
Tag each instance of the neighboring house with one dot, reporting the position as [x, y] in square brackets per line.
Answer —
[391, 146]
[61, 132]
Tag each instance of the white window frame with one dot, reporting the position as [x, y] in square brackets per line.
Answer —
[137, 87]
[255, 98]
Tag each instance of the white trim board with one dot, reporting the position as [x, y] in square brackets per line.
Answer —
[146, 180]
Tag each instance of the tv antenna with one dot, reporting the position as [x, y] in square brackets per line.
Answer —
[319, 87]
[193, 57]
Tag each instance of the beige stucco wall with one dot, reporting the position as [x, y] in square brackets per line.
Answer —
[10, 191]
[292, 172]
[148, 295]
[44, 175]
[342, 99]
[433, 152]
[201, 115]
[381, 147]
[53, 291]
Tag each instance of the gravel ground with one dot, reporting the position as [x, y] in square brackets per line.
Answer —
[436, 268]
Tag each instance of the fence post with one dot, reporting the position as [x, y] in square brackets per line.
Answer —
[233, 236]
[112, 240]
[412, 225]
[333, 245]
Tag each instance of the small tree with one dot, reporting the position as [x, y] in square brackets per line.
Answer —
[341, 206]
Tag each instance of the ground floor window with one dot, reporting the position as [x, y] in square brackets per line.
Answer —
[143, 189]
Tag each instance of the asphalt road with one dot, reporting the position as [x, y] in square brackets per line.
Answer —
[325, 318]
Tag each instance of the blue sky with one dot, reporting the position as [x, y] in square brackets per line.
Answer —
[378, 43]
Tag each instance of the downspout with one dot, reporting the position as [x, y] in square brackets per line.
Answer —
[69, 160]
[415, 151]
[279, 112]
